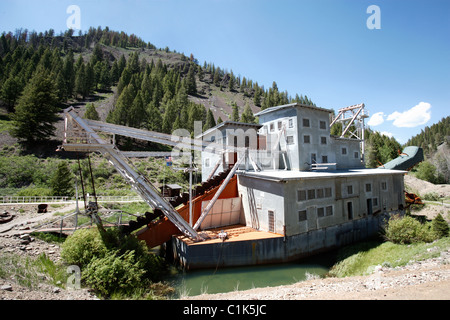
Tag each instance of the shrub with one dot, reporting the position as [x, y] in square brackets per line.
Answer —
[406, 230]
[82, 246]
[432, 196]
[440, 226]
[112, 263]
[113, 273]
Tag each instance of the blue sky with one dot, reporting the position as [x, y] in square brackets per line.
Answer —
[319, 48]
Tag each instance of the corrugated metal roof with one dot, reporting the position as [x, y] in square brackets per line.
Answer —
[230, 123]
[291, 105]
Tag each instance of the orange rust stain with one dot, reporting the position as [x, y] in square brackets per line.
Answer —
[162, 231]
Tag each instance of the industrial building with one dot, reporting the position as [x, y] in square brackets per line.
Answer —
[271, 192]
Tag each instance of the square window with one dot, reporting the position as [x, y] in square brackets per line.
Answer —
[306, 139]
[319, 193]
[324, 159]
[323, 140]
[368, 187]
[301, 195]
[290, 139]
[306, 122]
[320, 212]
[322, 125]
[349, 189]
[311, 194]
[302, 215]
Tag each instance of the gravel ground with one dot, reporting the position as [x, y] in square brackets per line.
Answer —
[425, 280]
[429, 279]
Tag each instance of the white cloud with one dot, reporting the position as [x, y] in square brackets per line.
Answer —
[376, 119]
[416, 116]
[388, 134]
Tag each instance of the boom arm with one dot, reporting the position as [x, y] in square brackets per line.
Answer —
[89, 140]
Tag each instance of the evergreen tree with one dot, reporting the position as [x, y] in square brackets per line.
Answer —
[154, 120]
[210, 122]
[231, 82]
[235, 114]
[61, 182]
[10, 92]
[136, 116]
[247, 115]
[80, 81]
[37, 108]
[91, 113]
[191, 87]
[440, 226]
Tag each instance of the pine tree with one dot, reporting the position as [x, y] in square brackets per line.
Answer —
[247, 115]
[37, 108]
[61, 182]
[191, 87]
[10, 92]
[440, 226]
[210, 122]
[91, 113]
[235, 114]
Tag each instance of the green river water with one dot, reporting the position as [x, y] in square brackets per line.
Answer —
[197, 282]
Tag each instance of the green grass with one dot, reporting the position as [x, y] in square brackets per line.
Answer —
[360, 259]
[30, 272]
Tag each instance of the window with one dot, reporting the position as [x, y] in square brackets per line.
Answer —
[290, 139]
[324, 159]
[350, 189]
[306, 139]
[375, 202]
[271, 221]
[320, 212]
[319, 193]
[291, 123]
[322, 125]
[306, 122]
[329, 211]
[368, 187]
[301, 195]
[302, 215]
[384, 185]
[344, 150]
[356, 154]
[279, 125]
[311, 194]
[327, 192]
[323, 140]
[313, 158]
[272, 127]
[207, 162]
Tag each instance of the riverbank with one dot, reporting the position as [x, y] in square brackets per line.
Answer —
[422, 280]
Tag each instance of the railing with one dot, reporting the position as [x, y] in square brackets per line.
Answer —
[50, 199]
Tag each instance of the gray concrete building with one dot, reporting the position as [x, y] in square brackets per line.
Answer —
[303, 189]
